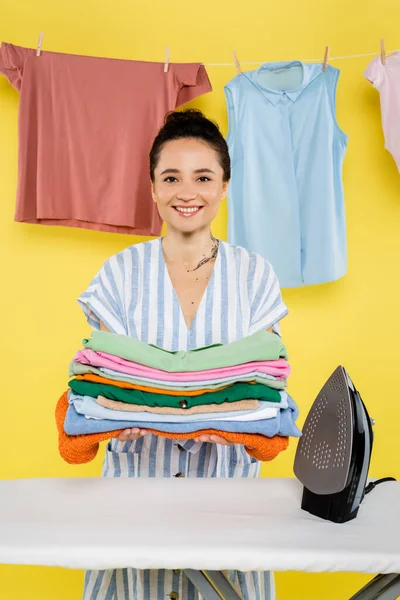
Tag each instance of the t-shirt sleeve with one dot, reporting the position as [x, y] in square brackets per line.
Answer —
[374, 72]
[267, 306]
[12, 60]
[192, 81]
[104, 298]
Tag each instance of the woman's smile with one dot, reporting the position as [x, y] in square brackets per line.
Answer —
[187, 211]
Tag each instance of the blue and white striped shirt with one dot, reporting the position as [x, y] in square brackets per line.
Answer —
[133, 295]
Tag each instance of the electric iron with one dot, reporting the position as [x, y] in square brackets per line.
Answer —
[333, 455]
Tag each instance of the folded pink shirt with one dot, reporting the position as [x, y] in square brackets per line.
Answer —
[277, 368]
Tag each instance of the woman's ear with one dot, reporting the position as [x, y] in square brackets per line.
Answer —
[153, 193]
[225, 186]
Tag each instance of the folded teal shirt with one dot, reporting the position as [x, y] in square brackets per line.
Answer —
[259, 346]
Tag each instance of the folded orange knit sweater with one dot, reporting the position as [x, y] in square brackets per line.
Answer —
[77, 449]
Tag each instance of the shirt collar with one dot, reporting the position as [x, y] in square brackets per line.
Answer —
[310, 72]
[191, 446]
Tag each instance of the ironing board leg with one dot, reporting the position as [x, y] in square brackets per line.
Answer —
[213, 585]
[384, 587]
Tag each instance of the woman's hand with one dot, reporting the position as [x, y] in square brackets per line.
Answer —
[213, 439]
[131, 434]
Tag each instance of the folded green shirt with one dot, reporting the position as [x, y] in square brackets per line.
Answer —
[259, 346]
[237, 391]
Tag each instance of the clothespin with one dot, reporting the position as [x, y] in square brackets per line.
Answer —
[237, 63]
[326, 56]
[166, 63]
[40, 42]
[383, 53]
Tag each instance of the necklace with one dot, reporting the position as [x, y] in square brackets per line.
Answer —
[206, 259]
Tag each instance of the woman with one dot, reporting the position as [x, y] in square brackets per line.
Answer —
[183, 291]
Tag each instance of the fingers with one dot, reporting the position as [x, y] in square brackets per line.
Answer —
[203, 438]
[220, 440]
[131, 434]
[214, 439]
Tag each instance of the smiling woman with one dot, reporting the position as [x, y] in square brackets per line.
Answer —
[184, 291]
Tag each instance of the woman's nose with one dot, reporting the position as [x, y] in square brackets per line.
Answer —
[186, 194]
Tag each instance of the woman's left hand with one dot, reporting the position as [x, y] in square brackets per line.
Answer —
[213, 439]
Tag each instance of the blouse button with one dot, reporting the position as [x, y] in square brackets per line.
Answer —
[183, 404]
[179, 475]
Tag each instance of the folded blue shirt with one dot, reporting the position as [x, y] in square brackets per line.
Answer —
[283, 424]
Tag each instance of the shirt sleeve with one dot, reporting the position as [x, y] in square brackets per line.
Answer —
[192, 81]
[267, 306]
[12, 60]
[104, 298]
[374, 72]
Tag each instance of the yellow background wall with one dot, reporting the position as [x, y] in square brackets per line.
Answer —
[353, 321]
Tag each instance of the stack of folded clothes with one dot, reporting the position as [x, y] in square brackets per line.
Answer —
[235, 390]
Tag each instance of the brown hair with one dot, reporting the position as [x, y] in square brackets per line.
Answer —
[191, 123]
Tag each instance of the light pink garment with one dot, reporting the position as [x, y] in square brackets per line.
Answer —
[86, 126]
[386, 79]
[277, 368]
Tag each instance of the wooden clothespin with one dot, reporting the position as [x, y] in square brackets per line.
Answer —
[40, 42]
[237, 63]
[383, 53]
[166, 62]
[326, 56]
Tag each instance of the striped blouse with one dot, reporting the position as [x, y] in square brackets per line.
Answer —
[133, 295]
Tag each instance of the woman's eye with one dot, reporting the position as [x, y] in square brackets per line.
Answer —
[204, 178]
[170, 179]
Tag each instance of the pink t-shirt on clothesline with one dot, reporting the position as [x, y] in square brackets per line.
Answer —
[86, 126]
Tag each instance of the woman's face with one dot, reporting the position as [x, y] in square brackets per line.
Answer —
[188, 184]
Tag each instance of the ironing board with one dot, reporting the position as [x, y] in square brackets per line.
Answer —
[203, 526]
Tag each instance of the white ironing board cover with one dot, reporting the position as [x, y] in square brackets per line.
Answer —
[254, 524]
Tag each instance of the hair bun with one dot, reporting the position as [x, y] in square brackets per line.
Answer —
[189, 115]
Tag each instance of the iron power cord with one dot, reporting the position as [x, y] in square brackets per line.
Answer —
[373, 484]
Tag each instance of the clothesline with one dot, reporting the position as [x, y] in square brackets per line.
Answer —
[384, 53]
[306, 60]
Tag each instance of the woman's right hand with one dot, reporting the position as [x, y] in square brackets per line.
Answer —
[131, 434]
